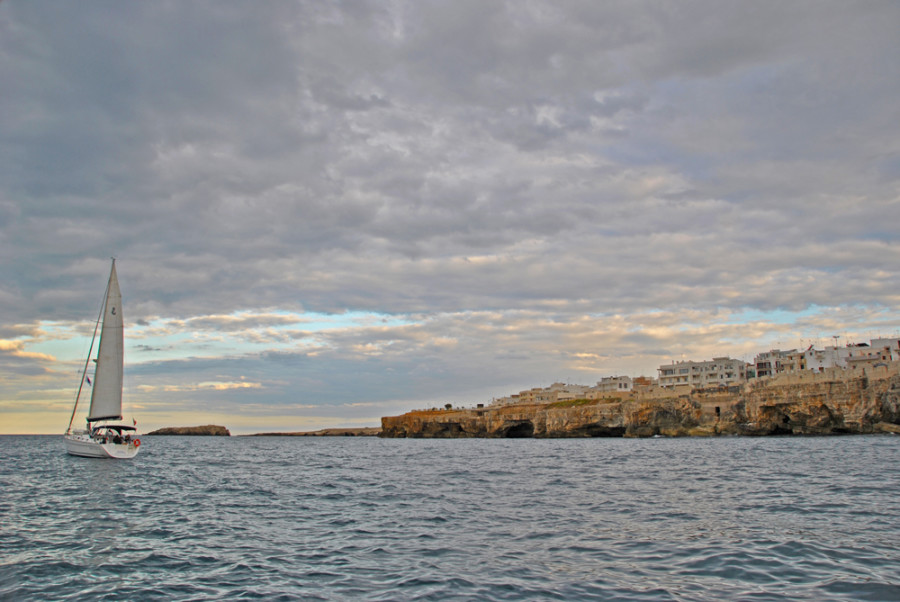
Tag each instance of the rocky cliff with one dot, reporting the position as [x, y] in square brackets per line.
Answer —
[208, 430]
[834, 402]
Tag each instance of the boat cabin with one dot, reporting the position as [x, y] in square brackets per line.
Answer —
[115, 433]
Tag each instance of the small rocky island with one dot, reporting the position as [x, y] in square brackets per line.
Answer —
[366, 431]
[209, 430]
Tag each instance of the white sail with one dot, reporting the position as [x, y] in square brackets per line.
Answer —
[106, 397]
[100, 439]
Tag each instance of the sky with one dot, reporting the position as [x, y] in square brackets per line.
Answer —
[323, 213]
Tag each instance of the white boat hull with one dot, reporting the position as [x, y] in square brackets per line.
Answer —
[86, 447]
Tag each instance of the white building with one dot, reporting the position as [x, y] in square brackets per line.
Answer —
[892, 345]
[571, 392]
[880, 353]
[719, 371]
[553, 393]
[614, 384]
[833, 356]
[771, 362]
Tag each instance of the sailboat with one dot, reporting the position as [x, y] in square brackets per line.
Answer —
[102, 439]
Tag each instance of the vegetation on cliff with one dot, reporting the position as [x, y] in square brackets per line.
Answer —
[571, 403]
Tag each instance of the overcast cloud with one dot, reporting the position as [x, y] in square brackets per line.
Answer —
[324, 213]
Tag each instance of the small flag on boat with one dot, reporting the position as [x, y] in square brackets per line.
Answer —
[134, 421]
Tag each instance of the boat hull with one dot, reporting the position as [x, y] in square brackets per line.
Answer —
[86, 447]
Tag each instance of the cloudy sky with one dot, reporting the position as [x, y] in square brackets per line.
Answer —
[328, 212]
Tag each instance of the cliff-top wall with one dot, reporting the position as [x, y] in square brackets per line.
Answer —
[833, 402]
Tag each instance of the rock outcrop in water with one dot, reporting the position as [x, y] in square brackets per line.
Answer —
[833, 402]
[210, 430]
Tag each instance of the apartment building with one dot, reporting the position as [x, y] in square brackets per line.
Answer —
[879, 353]
[770, 362]
[719, 371]
[834, 356]
[614, 384]
[891, 345]
[793, 362]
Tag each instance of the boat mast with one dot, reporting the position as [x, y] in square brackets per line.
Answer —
[87, 362]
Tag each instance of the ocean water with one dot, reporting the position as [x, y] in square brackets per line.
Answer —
[194, 518]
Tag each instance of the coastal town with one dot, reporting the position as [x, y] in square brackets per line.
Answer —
[851, 389]
[720, 372]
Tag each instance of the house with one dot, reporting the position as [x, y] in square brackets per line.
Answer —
[614, 384]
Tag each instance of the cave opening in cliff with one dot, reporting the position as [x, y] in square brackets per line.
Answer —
[522, 430]
[594, 430]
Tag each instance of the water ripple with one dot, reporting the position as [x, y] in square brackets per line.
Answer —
[358, 518]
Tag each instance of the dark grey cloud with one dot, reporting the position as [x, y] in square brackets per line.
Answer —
[435, 159]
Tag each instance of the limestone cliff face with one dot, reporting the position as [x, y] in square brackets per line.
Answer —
[830, 403]
[208, 430]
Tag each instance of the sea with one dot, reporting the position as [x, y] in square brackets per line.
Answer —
[360, 518]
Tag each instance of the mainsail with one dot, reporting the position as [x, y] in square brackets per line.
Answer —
[106, 398]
